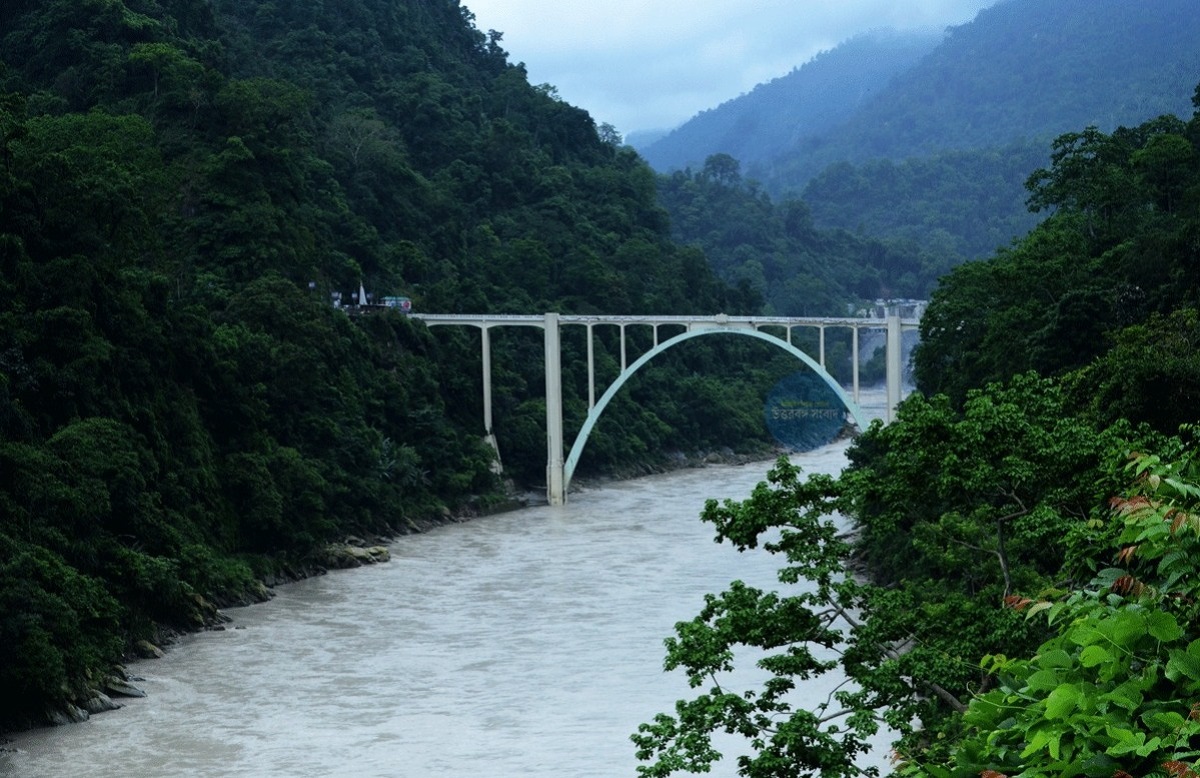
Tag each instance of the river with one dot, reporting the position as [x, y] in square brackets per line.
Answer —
[520, 645]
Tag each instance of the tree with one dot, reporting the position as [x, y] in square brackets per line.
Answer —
[1114, 691]
[954, 512]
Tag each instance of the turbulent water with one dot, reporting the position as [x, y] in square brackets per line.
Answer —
[520, 645]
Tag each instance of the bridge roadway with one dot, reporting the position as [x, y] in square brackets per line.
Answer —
[558, 471]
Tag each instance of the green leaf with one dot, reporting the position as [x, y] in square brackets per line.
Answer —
[1094, 655]
[1042, 681]
[1128, 741]
[1168, 721]
[1163, 626]
[1126, 627]
[1041, 739]
[1183, 664]
[1054, 658]
[1062, 701]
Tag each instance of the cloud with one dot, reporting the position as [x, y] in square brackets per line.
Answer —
[652, 65]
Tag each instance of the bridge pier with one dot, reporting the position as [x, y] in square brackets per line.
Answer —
[893, 363]
[555, 473]
[854, 362]
[486, 347]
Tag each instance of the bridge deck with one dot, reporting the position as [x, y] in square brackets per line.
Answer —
[720, 319]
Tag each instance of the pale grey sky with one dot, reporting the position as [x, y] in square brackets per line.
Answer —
[653, 64]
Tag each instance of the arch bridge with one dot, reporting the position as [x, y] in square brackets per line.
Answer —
[559, 470]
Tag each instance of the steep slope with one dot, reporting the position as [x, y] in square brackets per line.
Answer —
[939, 154]
[756, 127]
[183, 186]
[1023, 69]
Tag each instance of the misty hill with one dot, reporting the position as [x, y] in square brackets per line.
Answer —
[941, 152]
[813, 98]
[1022, 70]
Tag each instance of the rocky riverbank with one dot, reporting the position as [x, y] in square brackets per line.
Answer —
[352, 552]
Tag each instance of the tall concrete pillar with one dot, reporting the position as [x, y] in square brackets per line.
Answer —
[895, 366]
[555, 491]
[486, 347]
[854, 361]
[591, 354]
[488, 434]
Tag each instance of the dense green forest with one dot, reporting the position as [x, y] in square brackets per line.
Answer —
[1019, 594]
[184, 187]
[934, 145]
[967, 203]
[773, 250]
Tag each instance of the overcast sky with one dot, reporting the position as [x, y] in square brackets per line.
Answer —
[653, 64]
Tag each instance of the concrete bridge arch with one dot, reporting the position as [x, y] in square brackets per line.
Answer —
[597, 410]
[558, 471]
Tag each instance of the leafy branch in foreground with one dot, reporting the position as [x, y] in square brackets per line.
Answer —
[953, 511]
[1116, 692]
[800, 636]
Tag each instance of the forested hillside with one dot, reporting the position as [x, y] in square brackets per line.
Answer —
[1019, 595]
[940, 150]
[1022, 70]
[183, 187]
[775, 251]
[757, 127]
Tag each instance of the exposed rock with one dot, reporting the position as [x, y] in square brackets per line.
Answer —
[99, 702]
[205, 613]
[68, 714]
[122, 688]
[342, 556]
[147, 650]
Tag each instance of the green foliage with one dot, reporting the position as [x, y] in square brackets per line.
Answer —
[1150, 373]
[793, 633]
[57, 626]
[958, 205]
[774, 250]
[183, 187]
[954, 512]
[1115, 251]
[1114, 690]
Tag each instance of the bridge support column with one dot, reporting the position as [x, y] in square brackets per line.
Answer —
[591, 352]
[821, 346]
[555, 486]
[486, 347]
[854, 360]
[895, 367]
[485, 339]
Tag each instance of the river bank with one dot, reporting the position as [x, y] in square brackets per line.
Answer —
[109, 691]
[526, 642]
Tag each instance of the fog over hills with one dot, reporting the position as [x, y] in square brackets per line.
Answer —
[932, 138]
[807, 102]
[1022, 69]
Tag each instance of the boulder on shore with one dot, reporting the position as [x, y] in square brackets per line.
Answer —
[340, 556]
[67, 714]
[121, 688]
[99, 702]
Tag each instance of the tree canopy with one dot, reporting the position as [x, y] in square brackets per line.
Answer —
[184, 189]
[1012, 591]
